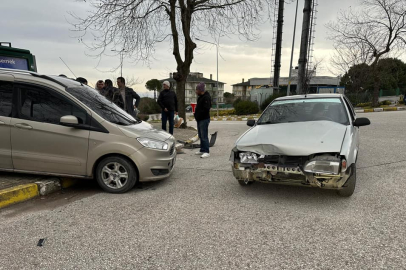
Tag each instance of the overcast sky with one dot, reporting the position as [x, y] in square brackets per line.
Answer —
[42, 27]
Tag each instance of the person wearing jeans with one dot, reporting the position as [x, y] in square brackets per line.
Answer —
[202, 116]
[168, 101]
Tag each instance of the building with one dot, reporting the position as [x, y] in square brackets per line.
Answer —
[242, 89]
[192, 81]
[247, 90]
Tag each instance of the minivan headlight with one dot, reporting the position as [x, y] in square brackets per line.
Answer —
[153, 144]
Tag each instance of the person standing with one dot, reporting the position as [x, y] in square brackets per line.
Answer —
[109, 90]
[128, 95]
[99, 86]
[202, 116]
[168, 101]
[81, 80]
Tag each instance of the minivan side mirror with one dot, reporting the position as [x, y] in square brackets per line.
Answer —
[69, 121]
[359, 122]
[251, 123]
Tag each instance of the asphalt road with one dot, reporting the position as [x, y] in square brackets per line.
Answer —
[201, 218]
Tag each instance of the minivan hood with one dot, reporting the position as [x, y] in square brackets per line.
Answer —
[293, 139]
[145, 130]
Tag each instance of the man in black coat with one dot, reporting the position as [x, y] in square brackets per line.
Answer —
[168, 101]
[126, 102]
[202, 116]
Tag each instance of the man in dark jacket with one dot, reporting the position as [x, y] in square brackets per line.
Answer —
[202, 116]
[127, 98]
[168, 101]
[109, 90]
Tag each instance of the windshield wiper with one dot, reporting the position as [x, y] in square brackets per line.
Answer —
[267, 123]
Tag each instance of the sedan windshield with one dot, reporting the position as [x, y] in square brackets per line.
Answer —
[304, 110]
[101, 105]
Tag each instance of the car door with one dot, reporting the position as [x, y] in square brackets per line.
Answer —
[6, 97]
[39, 142]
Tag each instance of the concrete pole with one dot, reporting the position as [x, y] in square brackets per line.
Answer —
[293, 48]
[217, 47]
[278, 52]
[304, 46]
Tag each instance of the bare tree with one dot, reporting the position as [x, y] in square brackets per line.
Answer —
[309, 74]
[135, 27]
[370, 32]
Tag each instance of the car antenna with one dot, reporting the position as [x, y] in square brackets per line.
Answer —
[68, 67]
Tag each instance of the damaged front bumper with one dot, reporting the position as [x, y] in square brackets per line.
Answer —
[287, 174]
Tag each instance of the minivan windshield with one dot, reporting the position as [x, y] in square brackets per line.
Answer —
[101, 105]
[304, 110]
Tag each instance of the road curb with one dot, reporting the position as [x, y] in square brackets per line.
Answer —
[18, 194]
[26, 192]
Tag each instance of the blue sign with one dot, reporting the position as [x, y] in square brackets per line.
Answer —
[13, 63]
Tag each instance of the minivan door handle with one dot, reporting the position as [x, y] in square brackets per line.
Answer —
[2, 123]
[23, 126]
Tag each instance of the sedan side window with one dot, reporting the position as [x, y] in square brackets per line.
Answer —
[43, 105]
[6, 94]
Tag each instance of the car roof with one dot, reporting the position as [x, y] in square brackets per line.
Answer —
[309, 96]
[34, 76]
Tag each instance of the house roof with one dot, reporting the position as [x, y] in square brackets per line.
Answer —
[247, 83]
[192, 78]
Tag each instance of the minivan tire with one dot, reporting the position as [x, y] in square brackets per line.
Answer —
[349, 186]
[114, 169]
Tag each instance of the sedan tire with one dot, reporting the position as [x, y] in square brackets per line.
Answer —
[116, 175]
[349, 186]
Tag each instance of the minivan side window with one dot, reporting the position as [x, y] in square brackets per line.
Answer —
[44, 105]
[6, 96]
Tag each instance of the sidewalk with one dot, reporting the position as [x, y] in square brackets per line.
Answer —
[180, 134]
[15, 188]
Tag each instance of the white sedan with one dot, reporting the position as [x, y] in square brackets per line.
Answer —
[307, 140]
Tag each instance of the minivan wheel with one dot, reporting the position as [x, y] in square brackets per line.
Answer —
[349, 186]
[116, 175]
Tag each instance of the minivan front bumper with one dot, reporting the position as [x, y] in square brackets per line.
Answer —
[154, 165]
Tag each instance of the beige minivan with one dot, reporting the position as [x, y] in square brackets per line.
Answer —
[52, 125]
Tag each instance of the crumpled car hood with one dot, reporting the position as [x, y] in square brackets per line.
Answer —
[293, 139]
[145, 130]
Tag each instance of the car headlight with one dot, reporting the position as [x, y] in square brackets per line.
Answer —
[248, 157]
[153, 144]
[323, 167]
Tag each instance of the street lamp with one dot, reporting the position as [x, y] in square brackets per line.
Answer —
[217, 84]
[121, 60]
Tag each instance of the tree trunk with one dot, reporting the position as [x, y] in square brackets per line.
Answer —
[180, 93]
[377, 84]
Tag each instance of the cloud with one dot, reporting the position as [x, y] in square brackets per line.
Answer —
[42, 27]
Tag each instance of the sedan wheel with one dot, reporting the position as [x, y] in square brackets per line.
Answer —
[116, 175]
[349, 186]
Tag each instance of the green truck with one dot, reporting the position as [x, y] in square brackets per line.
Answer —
[15, 58]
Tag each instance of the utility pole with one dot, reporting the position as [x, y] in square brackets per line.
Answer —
[293, 48]
[278, 52]
[217, 83]
[307, 11]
